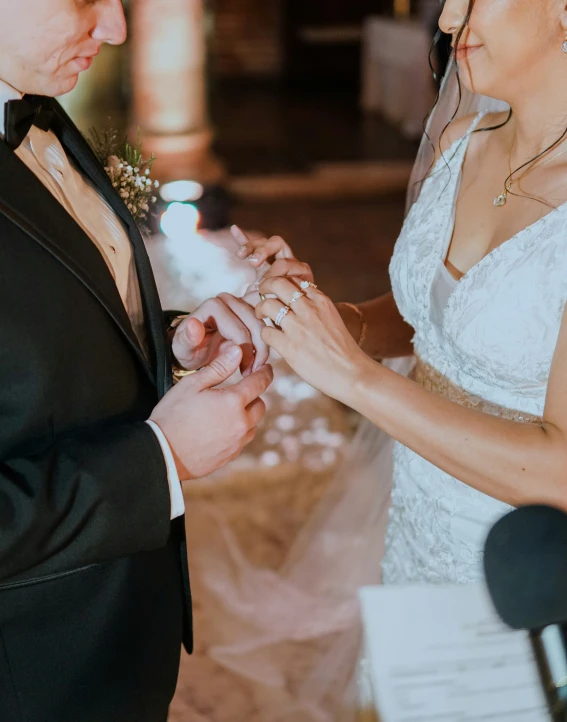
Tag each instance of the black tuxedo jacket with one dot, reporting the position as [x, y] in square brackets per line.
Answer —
[94, 594]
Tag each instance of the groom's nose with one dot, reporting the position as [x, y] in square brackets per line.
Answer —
[110, 22]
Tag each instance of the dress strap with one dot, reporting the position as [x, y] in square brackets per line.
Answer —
[456, 153]
[474, 125]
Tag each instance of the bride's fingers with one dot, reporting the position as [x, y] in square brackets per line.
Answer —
[275, 339]
[241, 240]
[285, 291]
[290, 293]
[274, 247]
[272, 308]
[258, 251]
[289, 267]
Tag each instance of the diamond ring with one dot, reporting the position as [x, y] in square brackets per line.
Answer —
[284, 310]
[296, 296]
[304, 285]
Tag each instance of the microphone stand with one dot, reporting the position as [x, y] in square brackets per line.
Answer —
[555, 690]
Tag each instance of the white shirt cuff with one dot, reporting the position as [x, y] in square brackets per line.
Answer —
[175, 489]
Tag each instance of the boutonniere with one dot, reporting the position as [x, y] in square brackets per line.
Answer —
[128, 170]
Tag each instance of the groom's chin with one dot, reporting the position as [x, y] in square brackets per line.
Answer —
[64, 86]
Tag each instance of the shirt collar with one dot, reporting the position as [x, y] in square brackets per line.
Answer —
[7, 93]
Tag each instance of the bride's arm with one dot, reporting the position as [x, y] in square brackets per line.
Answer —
[386, 334]
[517, 463]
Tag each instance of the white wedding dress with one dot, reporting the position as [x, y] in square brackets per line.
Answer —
[486, 342]
[494, 340]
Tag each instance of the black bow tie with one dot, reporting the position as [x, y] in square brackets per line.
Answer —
[19, 116]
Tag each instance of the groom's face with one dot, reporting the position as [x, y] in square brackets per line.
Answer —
[46, 44]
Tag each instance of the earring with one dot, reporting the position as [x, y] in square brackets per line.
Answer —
[564, 46]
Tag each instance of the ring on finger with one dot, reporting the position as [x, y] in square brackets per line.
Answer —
[284, 310]
[304, 285]
[296, 296]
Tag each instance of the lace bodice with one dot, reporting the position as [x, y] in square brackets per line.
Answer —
[496, 340]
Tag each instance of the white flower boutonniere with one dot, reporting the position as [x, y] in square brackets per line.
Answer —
[128, 171]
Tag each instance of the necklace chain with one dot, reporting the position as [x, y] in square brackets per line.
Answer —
[502, 199]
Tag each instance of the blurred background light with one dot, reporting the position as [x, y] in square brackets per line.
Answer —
[180, 220]
[181, 191]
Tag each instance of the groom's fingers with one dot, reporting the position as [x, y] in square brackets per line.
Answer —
[255, 412]
[252, 387]
[195, 332]
[215, 313]
[245, 313]
[188, 339]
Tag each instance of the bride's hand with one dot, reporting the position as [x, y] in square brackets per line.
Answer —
[312, 337]
[271, 257]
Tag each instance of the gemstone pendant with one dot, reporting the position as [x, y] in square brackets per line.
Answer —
[500, 200]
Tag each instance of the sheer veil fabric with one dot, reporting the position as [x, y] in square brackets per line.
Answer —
[455, 101]
[295, 635]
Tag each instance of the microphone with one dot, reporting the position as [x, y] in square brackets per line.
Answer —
[525, 564]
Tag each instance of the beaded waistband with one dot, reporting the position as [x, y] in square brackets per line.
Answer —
[429, 378]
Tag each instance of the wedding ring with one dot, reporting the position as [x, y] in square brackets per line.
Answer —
[304, 285]
[296, 296]
[281, 315]
[257, 287]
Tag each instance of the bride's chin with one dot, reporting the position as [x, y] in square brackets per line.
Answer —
[478, 84]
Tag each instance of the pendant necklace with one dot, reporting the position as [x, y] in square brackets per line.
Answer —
[501, 199]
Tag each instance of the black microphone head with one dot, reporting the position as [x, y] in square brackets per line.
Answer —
[525, 562]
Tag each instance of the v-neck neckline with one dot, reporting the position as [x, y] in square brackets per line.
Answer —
[453, 211]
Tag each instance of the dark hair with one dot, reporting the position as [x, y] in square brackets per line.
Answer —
[437, 39]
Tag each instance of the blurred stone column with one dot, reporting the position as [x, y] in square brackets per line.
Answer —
[169, 65]
[402, 8]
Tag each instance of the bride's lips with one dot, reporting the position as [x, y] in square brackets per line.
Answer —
[466, 51]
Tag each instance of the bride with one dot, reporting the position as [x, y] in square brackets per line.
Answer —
[479, 278]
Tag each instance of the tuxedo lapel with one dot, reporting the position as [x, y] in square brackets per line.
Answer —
[78, 148]
[30, 206]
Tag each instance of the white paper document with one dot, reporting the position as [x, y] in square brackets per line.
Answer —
[440, 654]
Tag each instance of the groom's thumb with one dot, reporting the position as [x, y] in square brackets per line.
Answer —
[194, 333]
[220, 369]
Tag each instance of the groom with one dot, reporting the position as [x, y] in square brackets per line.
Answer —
[94, 441]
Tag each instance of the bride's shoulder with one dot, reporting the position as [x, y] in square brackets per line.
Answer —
[458, 128]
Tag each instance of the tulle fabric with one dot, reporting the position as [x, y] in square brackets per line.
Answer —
[295, 633]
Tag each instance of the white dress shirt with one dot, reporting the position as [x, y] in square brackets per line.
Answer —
[44, 155]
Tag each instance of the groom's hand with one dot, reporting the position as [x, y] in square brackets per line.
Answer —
[213, 327]
[205, 426]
